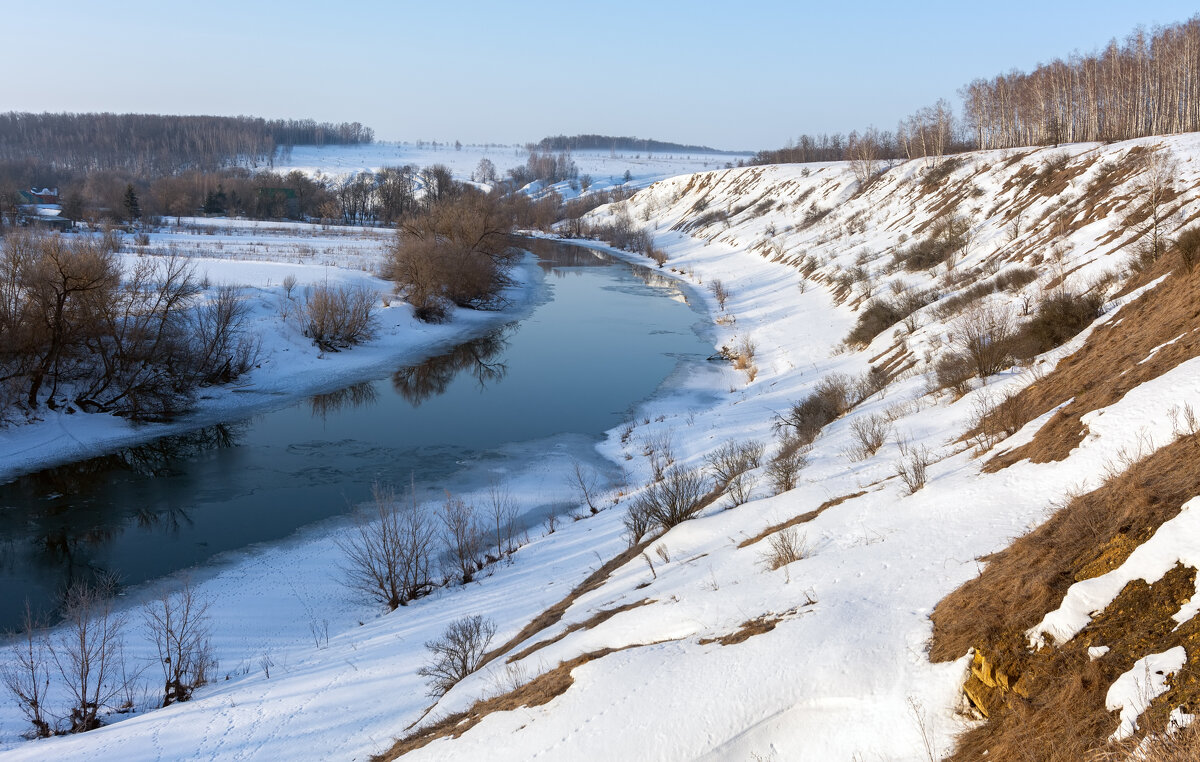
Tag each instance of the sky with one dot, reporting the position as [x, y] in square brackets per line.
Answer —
[739, 75]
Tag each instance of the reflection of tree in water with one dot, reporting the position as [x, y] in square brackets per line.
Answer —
[155, 458]
[359, 395]
[417, 383]
[555, 254]
[652, 277]
[67, 525]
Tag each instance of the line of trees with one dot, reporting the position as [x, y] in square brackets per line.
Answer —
[150, 145]
[1148, 85]
[611, 143]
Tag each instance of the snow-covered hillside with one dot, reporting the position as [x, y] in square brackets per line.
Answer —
[698, 643]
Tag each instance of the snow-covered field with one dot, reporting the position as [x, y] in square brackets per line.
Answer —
[607, 168]
[841, 673]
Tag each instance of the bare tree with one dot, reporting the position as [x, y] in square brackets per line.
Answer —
[388, 555]
[457, 653]
[461, 536]
[26, 674]
[88, 649]
[585, 482]
[178, 624]
[984, 336]
[503, 511]
[1159, 171]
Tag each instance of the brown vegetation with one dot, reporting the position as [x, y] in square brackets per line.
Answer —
[1050, 703]
[1115, 359]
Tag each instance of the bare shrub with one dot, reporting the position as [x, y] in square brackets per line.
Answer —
[289, 285]
[673, 499]
[87, 652]
[637, 522]
[461, 536]
[948, 236]
[388, 555]
[659, 450]
[1059, 317]
[26, 674]
[784, 547]
[993, 420]
[719, 292]
[913, 465]
[458, 652]
[1187, 248]
[870, 432]
[954, 371]
[784, 468]
[336, 317]
[833, 396]
[455, 251]
[503, 512]
[222, 350]
[178, 624]
[733, 458]
[984, 335]
[730, 465]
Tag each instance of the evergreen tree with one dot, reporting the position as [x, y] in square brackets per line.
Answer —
[133, 209]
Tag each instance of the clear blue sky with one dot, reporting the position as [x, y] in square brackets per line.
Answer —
[747, 74]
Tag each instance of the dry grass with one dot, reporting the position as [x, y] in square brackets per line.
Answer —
[536, 692]
[552, 615]
[1110, 364]
[747, 630]
[595, 620]
[1054, 709]
[801, 519]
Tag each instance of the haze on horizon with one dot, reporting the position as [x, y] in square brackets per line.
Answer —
[739, 78]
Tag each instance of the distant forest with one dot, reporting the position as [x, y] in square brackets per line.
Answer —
[150, 145]
[1147, 85]
[610, 143]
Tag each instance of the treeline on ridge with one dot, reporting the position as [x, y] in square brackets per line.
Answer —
[153, 144]
[611, 143]
[1147, 85]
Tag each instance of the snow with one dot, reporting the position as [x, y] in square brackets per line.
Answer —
[844, 672]
[1145, 681]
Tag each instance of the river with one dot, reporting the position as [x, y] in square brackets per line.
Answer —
[603, 336]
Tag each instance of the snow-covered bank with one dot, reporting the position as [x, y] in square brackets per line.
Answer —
[257, 258]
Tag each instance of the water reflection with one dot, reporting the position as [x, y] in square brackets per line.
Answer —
[361, 394]
[417, 383]
[557, 258]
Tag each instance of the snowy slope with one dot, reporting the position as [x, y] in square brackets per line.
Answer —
[838, 667]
